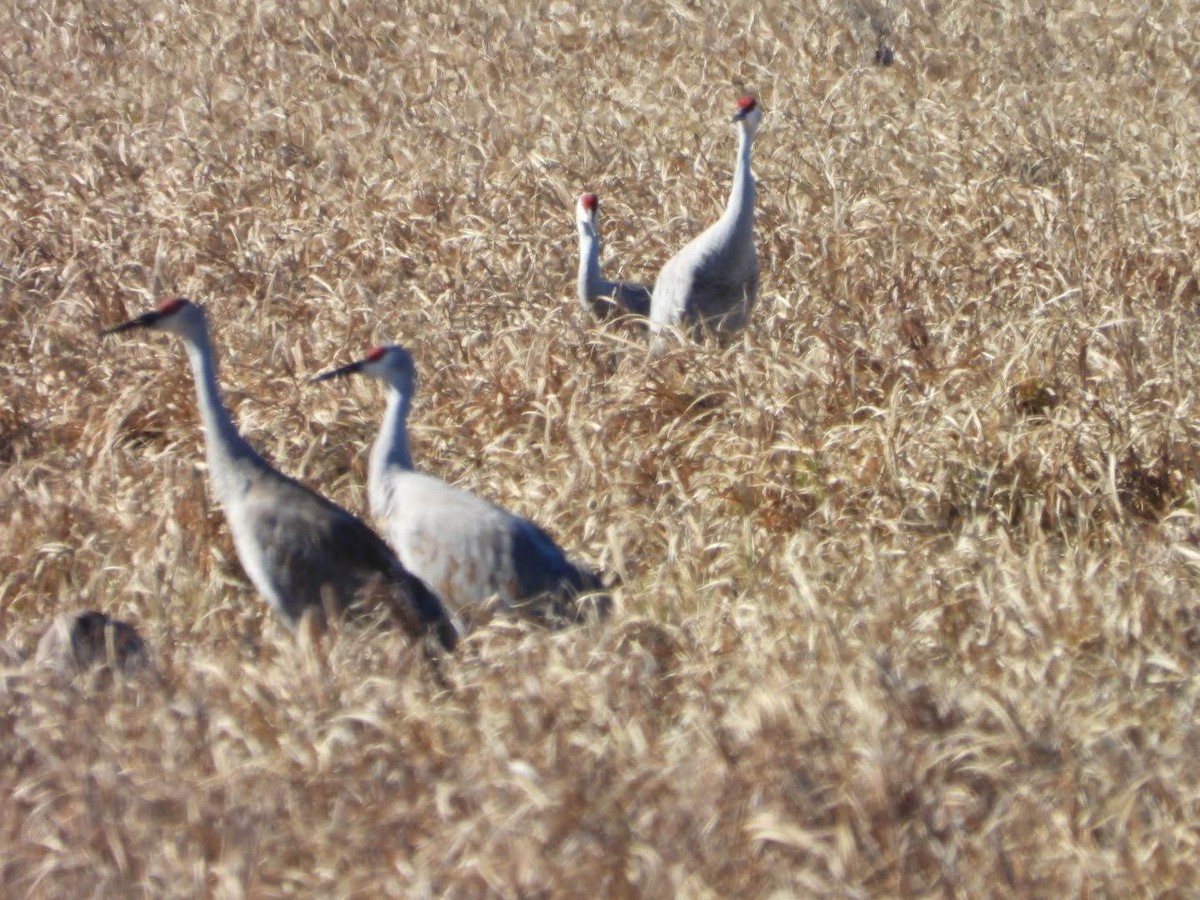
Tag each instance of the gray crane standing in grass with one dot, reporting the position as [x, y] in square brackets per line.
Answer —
[602, 297]
[472, 552]
[712, 282]
[301, 551]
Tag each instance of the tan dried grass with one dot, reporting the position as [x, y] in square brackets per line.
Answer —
[909, 572]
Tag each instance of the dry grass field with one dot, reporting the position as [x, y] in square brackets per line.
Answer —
[910, 573]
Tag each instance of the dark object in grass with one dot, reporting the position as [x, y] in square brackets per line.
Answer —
[80, 640]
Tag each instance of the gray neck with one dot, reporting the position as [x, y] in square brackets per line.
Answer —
[589, 284]
[230, 458]
[739, 211]
[389, 453]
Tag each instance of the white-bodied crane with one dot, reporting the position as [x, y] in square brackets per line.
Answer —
[711, 284]
[469, 550]
[603, 298]
[301, 551]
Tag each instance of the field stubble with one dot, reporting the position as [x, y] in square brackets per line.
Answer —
[908, 599]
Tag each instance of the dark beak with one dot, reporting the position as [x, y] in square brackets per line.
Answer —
[143, 321]
[337, 373]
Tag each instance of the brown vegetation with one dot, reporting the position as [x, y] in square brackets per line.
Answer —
[909, 573]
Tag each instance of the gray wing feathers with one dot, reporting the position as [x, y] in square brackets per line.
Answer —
[633, 298]
[469, 549]
[546, 573]
[318, 552]
[615, 298]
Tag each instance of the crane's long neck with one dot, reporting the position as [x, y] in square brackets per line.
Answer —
[739, 211]
[389, 453]
[230, 458]
[589, 284]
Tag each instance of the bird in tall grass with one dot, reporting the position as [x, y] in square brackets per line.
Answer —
[472, 552]
[602, 297]
[711, 284]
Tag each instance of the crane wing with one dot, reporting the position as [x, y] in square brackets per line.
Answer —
[317, 550]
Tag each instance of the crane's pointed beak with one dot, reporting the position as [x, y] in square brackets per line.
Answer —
[338, 372]
[143, 321]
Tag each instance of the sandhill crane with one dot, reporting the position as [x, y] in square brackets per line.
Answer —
[301, 551]
[469, 550]
[80, 640]
[602, 297]
[712, 282]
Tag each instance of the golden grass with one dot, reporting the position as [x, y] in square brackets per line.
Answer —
[910, 572]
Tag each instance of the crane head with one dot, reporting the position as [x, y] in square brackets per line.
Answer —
[177, 314]
[587, 208]
[748, 111]
[391, 363]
